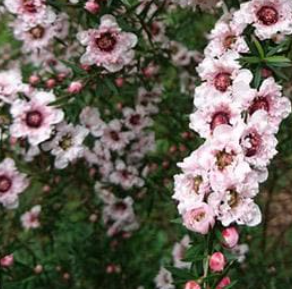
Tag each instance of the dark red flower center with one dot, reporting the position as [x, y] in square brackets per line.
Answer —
[34, 119]
[106, 42]
[120, 206]
[135, 119]
[254, 140]
[219, 118]
[268, 15]
[29, 6]
[222, 81]
[114, 135]
[37, 32]
[155, 29]
[5, 184]
[259, 103]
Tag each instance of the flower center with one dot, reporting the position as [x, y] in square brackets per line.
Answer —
[199, 215]
[106, 42]
[253, 139]
[268, 15]
[197, 182]
[34, 119]
[228, 41]
[120, 206]
[222, 81]
[66, 142]
[135, 119]
[114, 135]
[218, 119]
[155, 29]
[29, 6]
[234, 199]
[223, 159]
[5, 184]
[259, 103]
[37, 32]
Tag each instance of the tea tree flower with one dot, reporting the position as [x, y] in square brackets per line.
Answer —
[12, 183]
[35, 119]
[108, 46]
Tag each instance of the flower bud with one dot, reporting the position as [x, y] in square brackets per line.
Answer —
[223, 283]
[92, 7]
[34, 79]
[7, 261]
[230, 237]
[217, 262]
[75, 87]
[192, 285]
[38, 269]
[50, 83]
[119, 81]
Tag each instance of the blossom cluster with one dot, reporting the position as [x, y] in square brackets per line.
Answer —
[237, 120]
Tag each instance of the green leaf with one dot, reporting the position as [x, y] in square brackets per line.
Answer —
[277, 59]
[176, 221]
[259, 47]
[192, 254]
[250, 59]
[111, 86]
[181, 274]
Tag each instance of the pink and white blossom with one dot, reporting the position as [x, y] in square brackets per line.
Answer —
[67, 145]
[108, 46]
[35, 119]
[30, 219]
[12, 184]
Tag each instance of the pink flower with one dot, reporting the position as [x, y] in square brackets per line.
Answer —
[203, 4]
[257, 139]
[119, 215]
[222, 111]
[230, 237]
[90, 118]
[193, 185]
[269, 98]
[136, 119]
[217, 262]
[7, 261]
[12, 183]
[108, 46]
[269, 17]
[199, 217]
[179, 251]
[114, 138]
[92, 6]
[36, 35]
[75, 87]
[35, 119]
[30, 219]
[125, 176]
[224, 79]
[234, 205]
[30, 11]
[225, 37]
[224, 283]
[67, 145]
[164, 279]
[192, 285]
[10, 85]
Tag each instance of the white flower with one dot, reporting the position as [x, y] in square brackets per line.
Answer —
[67, 145]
